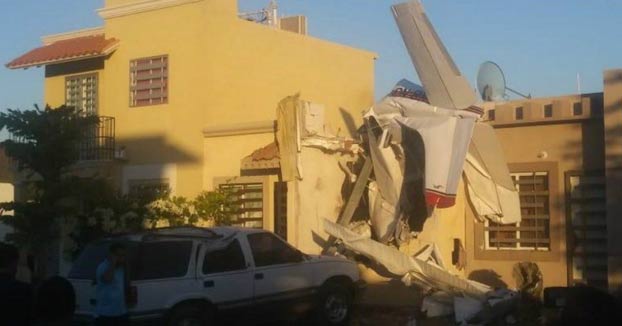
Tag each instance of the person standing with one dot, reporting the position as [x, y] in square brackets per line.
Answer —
[16, 298]
[111, 308]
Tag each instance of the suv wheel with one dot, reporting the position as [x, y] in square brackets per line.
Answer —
[335, 305]
[191, 315]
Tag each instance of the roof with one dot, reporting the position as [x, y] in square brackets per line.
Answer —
[64, 50]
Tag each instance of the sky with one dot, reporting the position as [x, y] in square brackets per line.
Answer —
[540, 45]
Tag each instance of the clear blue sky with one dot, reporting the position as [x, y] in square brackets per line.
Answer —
[541, 45]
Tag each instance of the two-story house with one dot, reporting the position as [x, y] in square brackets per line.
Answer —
[187, 88]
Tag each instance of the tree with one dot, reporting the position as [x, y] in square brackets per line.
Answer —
[44, 145]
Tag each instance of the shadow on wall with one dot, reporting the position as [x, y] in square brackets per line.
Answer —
[154, 149]
[349, 122]
[488, 277]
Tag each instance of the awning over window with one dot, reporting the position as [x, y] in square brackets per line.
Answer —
[66, 50]
[266, 157]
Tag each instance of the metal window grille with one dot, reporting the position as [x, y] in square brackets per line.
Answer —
[533, 231]
[81, 92]
[248, 201]
[149, 81]
[151, 188]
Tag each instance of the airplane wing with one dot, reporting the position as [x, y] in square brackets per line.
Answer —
[444, 84]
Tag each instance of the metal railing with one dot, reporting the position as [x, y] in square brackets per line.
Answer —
[99, 141]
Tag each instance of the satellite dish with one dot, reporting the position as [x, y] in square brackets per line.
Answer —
[491, 83]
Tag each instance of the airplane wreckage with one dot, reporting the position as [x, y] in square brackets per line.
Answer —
[415, 147]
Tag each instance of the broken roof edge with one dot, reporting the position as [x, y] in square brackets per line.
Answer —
[91, 31]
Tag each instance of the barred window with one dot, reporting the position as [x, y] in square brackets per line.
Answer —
[81, 92]
[149, 81]
[248, 200]
[149, 188]
[533, 231]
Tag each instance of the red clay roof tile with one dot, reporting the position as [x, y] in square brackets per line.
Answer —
[266, 153]
[66, 50]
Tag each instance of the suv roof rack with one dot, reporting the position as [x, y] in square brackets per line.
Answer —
[182, 232]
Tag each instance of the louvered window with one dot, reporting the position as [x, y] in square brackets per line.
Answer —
[81, 92]
[533, 231]
[149, 81]
[248, 202]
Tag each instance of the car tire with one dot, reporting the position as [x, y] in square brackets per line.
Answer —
[334, 305]
[191, 315]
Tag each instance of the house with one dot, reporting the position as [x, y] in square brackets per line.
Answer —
[186, 89]
[564, 155]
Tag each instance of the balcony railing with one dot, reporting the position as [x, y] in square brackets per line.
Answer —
[99, 141]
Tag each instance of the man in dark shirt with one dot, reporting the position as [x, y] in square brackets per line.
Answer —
[16, 298]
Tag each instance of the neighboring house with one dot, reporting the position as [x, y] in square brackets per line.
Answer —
[186, 89]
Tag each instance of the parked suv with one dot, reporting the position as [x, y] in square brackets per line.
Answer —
[193, 276]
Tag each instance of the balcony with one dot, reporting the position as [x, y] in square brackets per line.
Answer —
[99, 141]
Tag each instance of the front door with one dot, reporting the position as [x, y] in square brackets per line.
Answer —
[587, 229]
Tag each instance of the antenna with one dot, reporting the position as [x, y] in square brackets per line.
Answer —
[578, 83]
[267, 16]
[491, 83]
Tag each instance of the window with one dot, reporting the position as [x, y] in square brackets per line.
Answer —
[150, 188]
[230, 258]
[162, 259]
[548, 110]
[81, 93]
[519, 113]
[577, 108]
[248, 202]
[85, 266]
[268, 250]
[149, 81]
[491, 115]
[533, 232]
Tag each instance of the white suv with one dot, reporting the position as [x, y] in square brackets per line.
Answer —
[196, 276]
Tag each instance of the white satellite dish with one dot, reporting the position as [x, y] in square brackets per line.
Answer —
[491, 83]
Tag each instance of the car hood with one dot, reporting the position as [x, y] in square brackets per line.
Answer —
[336, 259]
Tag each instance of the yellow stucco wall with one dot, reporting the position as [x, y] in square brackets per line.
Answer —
[222, 70]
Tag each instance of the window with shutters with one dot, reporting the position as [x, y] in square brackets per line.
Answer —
[248, 202]
[149, 81]
[81, 92]
[533, 231]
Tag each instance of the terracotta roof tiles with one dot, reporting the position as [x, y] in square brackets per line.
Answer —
[66, 50]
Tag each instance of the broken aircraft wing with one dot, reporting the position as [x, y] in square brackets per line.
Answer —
[444, 84]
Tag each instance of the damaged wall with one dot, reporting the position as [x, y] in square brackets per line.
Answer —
[314, 198]
[445, 225]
